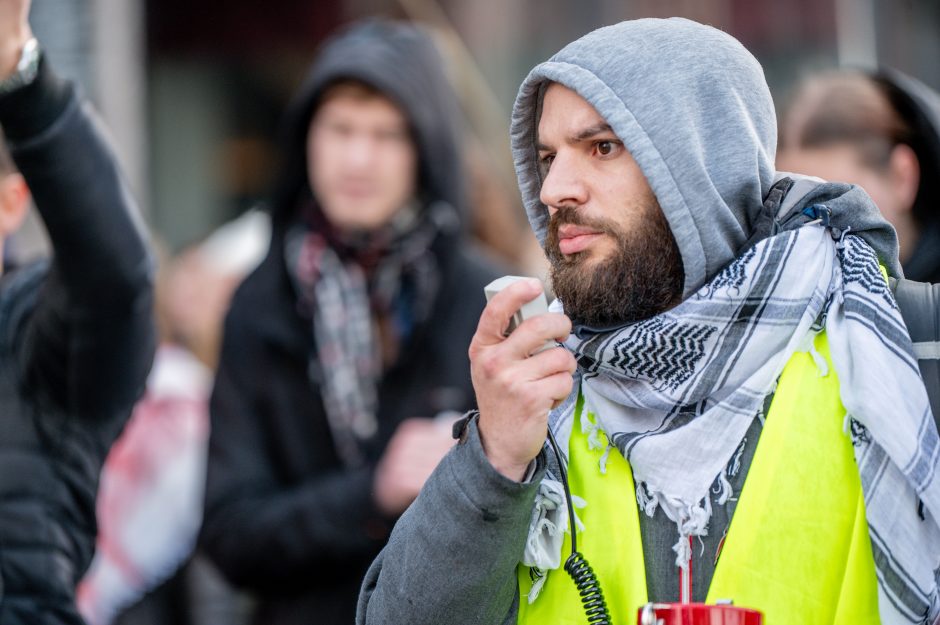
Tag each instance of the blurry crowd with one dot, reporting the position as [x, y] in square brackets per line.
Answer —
[310, 356]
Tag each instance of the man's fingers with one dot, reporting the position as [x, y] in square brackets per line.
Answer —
[500, 309]
[535, 332]
[421, 437]
[416, 463]
[548, 363]
[554, 388]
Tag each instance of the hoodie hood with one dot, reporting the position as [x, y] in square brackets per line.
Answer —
[691, 105]
[401, 61]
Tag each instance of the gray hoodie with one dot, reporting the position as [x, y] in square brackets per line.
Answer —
[674, 91]
[692, 107]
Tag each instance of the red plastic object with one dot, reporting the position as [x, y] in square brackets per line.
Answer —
[696, 614]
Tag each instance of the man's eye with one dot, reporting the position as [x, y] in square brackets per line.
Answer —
[392, 136]
[338, 130]
[546, 161]
[605, 147]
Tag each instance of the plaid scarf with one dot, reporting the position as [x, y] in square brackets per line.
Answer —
[676, 393]
[343, 285]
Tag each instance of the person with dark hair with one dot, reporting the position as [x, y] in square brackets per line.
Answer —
[881, 131]
[735, 412]
[344, 353]
[76, 332]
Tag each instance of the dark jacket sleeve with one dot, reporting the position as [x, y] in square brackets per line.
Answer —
[919, 303]
[261, 531]
[90, 342]
[452, 557]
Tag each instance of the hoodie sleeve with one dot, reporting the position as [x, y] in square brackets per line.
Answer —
[90, 341]
[452, 557]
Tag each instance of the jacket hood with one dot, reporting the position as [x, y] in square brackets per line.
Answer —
[401, 61]
[691, 105]
[919, 106]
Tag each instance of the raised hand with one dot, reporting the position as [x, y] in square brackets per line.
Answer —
[14, 33]
[516, 391]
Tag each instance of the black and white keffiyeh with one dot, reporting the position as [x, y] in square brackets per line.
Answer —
[341, 295]
[676, 393]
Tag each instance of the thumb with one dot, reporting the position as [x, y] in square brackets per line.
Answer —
[500, 309]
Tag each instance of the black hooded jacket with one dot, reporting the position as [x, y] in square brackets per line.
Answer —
[284, 517]
[76, 342]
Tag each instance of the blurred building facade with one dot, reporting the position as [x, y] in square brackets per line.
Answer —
[193, 89]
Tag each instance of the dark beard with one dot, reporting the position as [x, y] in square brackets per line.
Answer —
[642, 278]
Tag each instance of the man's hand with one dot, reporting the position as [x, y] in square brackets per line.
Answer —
[515, 392]
[14, 33]
[414, 451]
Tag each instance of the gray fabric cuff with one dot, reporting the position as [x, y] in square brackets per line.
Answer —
[452, 557]
[489, 490]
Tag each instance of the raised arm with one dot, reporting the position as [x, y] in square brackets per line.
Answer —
[91, 338]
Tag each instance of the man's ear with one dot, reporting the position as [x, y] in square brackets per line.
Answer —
[904, 172]
[14, 203]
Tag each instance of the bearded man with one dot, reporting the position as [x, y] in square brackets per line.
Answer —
[737, 403]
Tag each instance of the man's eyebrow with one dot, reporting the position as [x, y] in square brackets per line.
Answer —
[590, 132]
[581, 135]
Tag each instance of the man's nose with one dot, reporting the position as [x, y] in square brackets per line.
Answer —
[563, 185]
[360, 151]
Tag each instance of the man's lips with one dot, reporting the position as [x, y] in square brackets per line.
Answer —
[573, 239]
[355, 191]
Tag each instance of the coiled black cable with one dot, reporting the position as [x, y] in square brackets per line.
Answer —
[592, 597]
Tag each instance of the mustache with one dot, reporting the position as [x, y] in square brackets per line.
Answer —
[569, 215]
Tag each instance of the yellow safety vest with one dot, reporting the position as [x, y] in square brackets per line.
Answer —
[797, 548]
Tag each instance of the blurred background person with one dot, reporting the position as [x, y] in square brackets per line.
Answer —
[76, 332]
[152, 486]
[195, 294]
[881, 131]
[344, 354]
